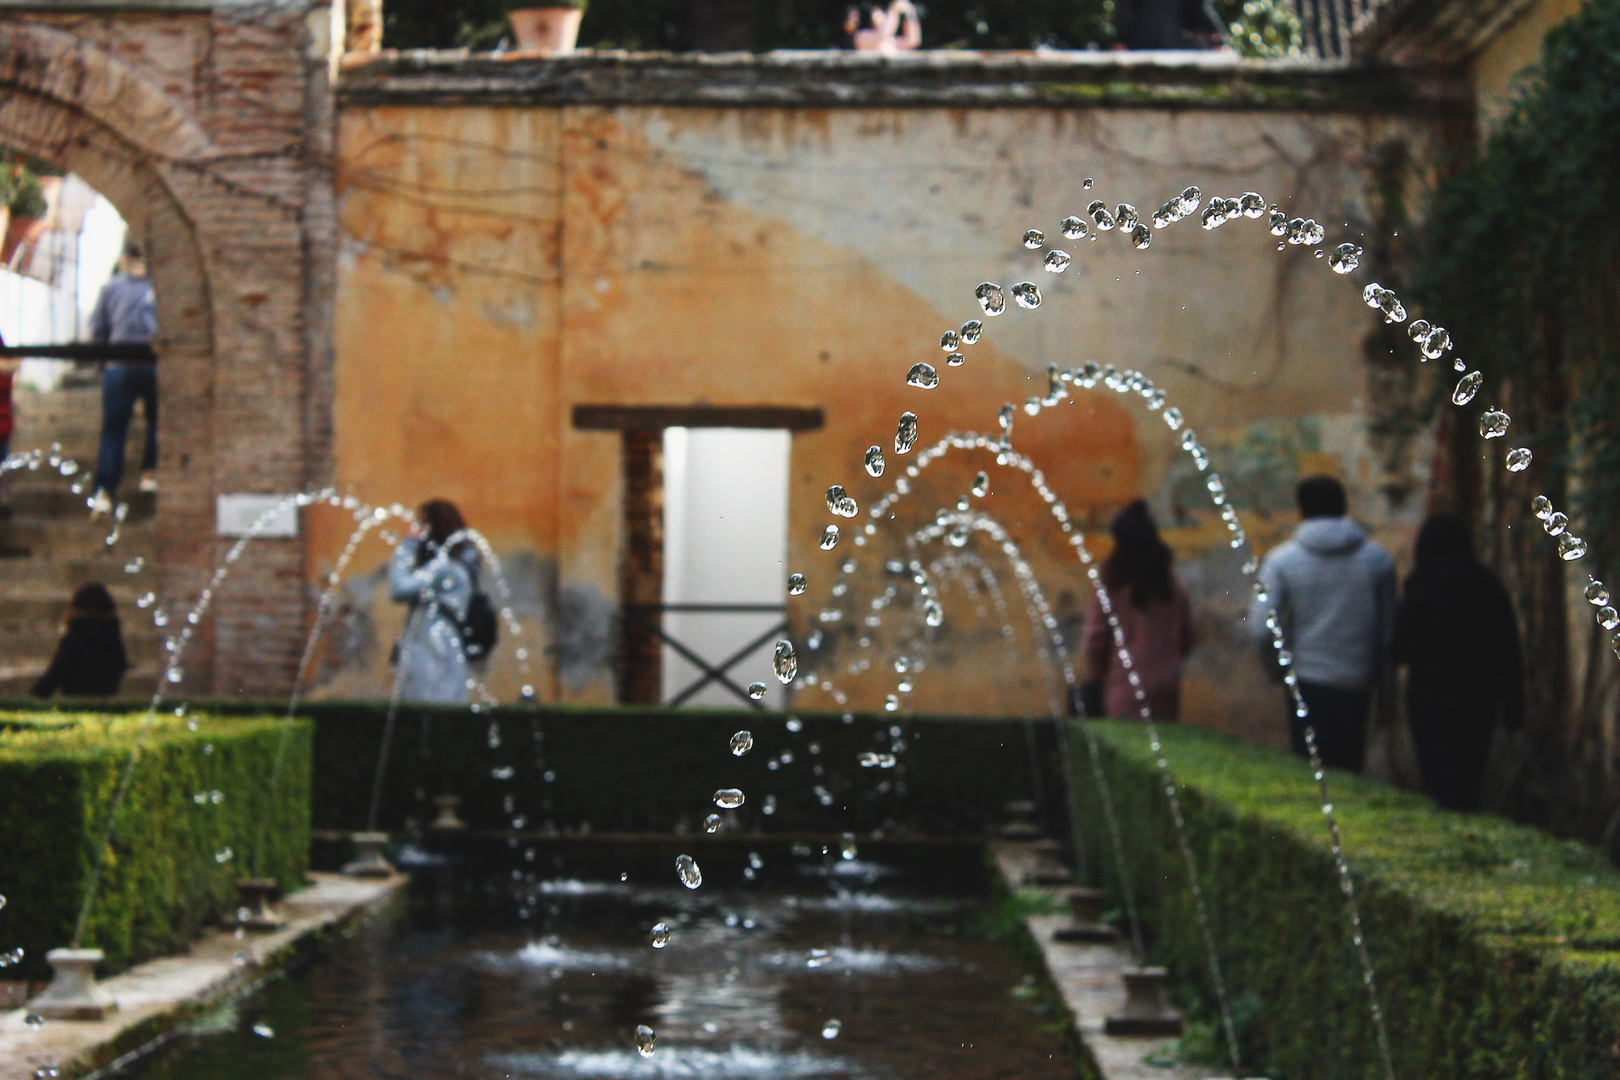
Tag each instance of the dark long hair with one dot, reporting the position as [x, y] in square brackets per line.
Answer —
[92, 601]
[1444, 546]
[1140, 559]
[443, 520]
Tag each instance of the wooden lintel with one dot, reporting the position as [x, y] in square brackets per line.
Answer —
[658, 417]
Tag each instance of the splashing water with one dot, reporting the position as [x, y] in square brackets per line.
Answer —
[646, 1041]
[686, 868]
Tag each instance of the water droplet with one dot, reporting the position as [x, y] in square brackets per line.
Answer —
[741, 743]
[1125, 217]
[829, 537]
[1571, 547]
[1542, 507]
[145, 600]
[646, 1037]
[1252, 204]
[795, 725]
[728, 798]
[1418, 329]
[1056, 261]
[971, 331]
[1435, 342]
[1556, 523]
[1493, 424]
[1214, 215]
[796, 584]
[686, 868]
[1074, 228]
[905, 435]
[1027, 295]
[768, 807]
[830, 1029]
[711, 824]
[924, 376]
[1608, 618]
[1467, 387]
[659, 937]
[134, 565]
[1345, 258]
[874, 461]
[33, 1021]
[955, 359]
[1518, 459]
[504, 772]
[223, 855]
[787, 664]
[1141, 236]
[1100, 215]
[264, 1030]
[756, 690]
[1190, 198]
[949, 341]
[991, 298]
[981, 484]
[840, 503]
[1034, 238]
[849, 850]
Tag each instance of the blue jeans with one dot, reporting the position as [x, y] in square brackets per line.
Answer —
[121, 386]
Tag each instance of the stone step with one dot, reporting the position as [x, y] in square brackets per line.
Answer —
[78, 538]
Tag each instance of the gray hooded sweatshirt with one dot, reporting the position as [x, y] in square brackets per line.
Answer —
[1334, 591]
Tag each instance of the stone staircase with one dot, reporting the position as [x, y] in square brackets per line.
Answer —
[49, 546]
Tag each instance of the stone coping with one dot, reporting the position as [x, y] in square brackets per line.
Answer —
[1087, 975]
[156, 997]
[943, 77]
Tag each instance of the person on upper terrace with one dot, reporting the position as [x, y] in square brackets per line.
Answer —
[1154, 616]
[125, 314]
[886, 29]
[1333, 591]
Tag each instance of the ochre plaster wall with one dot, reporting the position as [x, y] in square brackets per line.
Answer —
[501, 264]
[1495, 68]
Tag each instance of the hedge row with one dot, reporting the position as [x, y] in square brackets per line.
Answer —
[1497, 948]
[635, 769]
[165, 875]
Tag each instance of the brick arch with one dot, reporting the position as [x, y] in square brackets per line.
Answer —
[221, 210]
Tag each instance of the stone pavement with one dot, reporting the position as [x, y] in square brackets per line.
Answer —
[157, 997]
[1088, 977]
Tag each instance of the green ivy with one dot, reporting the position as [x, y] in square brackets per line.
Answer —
[1521, 261]
[1496, 947]
[162, 879]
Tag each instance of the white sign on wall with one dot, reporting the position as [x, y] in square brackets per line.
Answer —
[235, 515]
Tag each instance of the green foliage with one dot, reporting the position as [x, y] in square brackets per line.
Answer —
[1264, 29]
[1497, 947]
[20, 190]
[161, 881]
[756, 25]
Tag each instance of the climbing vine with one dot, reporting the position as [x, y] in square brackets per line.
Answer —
[1521, 258]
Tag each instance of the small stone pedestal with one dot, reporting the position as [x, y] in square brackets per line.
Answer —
[1021, 821]
[1146, 1012]
[73, 993]
[448, 819]
[369, 861]
[253, 907]
[1088, 925]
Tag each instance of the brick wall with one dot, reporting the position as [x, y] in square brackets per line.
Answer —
[207, 126]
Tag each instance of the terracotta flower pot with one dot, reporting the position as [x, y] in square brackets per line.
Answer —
[546, 29]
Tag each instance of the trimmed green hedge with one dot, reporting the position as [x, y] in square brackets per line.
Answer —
[1497, 948]
[161, 881]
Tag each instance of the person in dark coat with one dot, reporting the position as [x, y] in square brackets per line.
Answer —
[90, 660]
[1456, 630]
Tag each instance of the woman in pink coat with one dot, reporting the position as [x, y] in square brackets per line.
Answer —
[1154, 616]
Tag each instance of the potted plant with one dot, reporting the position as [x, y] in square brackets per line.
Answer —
[552, 30]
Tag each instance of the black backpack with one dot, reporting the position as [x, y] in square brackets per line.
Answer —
[480, 629]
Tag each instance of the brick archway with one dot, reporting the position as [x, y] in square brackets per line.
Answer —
[234, 210]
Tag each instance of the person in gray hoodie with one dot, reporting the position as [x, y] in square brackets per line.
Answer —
[1333, 591]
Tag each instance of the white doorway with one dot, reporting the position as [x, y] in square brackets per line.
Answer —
[725, 545]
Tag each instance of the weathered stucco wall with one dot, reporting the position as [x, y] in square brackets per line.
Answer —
[502, 262]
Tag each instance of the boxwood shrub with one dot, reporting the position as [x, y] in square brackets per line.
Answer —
[166, 873]
[1496, 947]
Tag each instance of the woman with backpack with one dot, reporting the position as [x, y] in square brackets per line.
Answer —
[435, 572]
